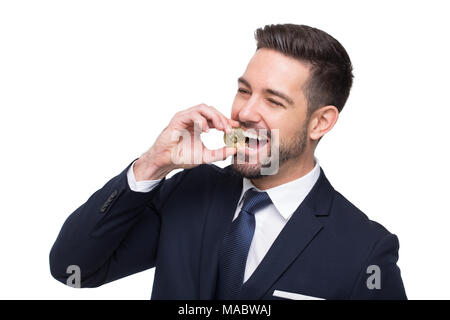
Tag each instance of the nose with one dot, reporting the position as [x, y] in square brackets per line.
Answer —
[249, 112]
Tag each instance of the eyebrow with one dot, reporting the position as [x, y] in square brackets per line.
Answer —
[269, 91]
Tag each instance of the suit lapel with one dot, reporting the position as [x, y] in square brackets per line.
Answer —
[220, 214]
[299, 231]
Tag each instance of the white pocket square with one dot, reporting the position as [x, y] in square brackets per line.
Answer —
[293, 296]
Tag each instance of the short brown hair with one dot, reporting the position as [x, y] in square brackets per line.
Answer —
[331, 74]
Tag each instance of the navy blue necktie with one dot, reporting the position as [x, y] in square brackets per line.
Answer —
[235, 246]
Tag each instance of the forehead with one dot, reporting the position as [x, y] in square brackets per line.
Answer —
[271, 69]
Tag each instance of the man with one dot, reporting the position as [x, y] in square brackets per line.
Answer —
[236, 233]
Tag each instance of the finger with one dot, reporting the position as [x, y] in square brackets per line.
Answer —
[218, 154]
[225, 120]
[188, 119]
[207, 110]
[213, 116]
[222, 117]
[211, 110]
[234, 123]
[201, 122]
[230, 122]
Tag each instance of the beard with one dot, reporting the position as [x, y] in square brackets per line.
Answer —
[289, 149]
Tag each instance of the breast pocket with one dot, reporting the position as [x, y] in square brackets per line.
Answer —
[293, 295]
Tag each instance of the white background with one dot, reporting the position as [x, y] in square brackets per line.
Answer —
[86, 86]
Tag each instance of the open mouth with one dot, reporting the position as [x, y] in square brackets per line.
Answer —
[253, 141]
[247, 140]
[250, 142]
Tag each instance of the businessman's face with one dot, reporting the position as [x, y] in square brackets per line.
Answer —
[270, 96]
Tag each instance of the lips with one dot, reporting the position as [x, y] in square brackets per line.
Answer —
[249, 140]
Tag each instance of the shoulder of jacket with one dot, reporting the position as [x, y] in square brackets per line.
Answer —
[352, 216]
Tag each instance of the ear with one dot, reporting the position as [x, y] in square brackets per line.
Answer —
[322, 120]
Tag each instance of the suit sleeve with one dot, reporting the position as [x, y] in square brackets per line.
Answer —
[380, 278]
[113, 234]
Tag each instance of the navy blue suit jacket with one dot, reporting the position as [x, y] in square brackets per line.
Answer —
[323, 251]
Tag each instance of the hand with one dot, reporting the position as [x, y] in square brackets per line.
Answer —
[179, 144]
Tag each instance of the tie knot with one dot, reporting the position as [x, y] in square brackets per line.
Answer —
[255, 200]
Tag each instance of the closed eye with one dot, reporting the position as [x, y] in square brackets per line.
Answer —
[275, 102]
[243, 91]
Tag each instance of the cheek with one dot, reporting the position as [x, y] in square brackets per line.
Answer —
[288, 125]
[276, 120]
[235, 109]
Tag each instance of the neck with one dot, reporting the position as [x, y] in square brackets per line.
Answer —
[291, 170]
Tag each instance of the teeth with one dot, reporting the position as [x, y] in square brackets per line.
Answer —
[252, 135]
[238, 137]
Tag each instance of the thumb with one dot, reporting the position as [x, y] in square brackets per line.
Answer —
[218, 154]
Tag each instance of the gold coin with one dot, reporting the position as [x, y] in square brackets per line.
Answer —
[235, 138]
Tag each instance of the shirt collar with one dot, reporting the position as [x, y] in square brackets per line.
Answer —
[288, 197]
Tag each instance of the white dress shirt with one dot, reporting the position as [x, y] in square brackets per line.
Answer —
[269, 221]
